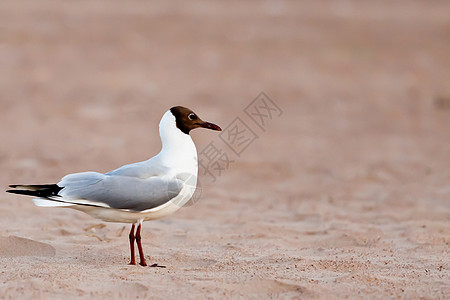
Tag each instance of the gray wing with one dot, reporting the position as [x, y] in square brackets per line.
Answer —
[144, 169]
[120, 192]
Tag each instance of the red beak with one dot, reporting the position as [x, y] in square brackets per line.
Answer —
[211, 126]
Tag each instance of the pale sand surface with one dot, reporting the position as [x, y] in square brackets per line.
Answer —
[346, 195]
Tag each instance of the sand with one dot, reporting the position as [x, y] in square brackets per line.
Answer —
[343, 193]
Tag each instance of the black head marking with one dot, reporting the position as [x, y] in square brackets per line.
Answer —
[187, 120]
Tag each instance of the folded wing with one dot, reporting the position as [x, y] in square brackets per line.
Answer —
[116, 191]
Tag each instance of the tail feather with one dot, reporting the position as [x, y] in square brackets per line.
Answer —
[49, 203]
[39, 190]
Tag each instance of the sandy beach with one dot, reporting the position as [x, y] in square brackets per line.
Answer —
[339, 188]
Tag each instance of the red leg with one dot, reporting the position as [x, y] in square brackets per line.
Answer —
[138, 241]
[132, 238]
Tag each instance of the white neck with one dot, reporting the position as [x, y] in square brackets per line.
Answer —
[178, 150]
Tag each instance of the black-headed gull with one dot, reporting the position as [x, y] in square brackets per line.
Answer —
[136, 192]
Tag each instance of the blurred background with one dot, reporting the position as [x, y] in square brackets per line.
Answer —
[363, 142]
[98, 75]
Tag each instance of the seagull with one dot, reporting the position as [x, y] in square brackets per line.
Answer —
[136, 192]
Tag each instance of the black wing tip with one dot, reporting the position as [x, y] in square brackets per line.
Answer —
[34, 186]
[20, 192]
[12, 186]
[41, 190]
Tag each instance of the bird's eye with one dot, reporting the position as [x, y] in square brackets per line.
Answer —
[191, 116]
